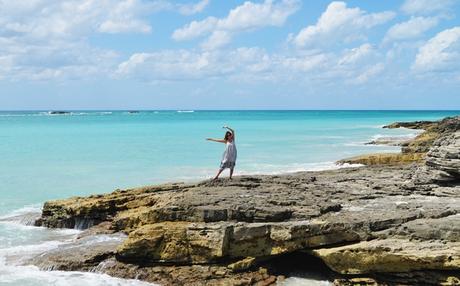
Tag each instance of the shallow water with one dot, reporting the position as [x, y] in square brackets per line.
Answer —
[55, 156]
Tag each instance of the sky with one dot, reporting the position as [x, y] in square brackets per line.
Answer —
[225, 54]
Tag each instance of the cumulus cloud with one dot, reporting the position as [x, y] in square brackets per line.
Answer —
[354, 66]
[48, 39]
[426, 7]
[338, 24]
[216, 40]
[369, 73]
[248, 16]
[356, 55]
[441, 53]
[72, 18]
[42, 39]
[413, 28]
[305, 63]
[193, 8]
[172, 65]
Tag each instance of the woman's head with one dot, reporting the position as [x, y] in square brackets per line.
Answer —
[228, 136]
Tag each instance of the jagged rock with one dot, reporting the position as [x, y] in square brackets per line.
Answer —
[445, 155]
[442, 163]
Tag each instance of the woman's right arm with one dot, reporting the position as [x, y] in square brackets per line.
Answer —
[216, 140]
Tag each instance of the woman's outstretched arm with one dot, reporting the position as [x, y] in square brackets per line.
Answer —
[216, 140]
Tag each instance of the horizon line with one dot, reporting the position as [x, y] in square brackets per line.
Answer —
[192, 109]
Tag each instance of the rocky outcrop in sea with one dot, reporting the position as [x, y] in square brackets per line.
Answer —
[382, 224]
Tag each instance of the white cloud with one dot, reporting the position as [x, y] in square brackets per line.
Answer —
[72, 18]
[426, 7]
[440, 53]
[195, 29]
[216, 40]
[369, 73]
[170, 65]
[125, 17]
[339, 24]
[49, 38]
[114, 27]
[413, 28]
[247, 16]
[57, 60]
[355, 66]
[305, 63]
[356, 55]
[193, 8]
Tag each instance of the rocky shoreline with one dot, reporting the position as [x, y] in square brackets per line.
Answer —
[395, 221]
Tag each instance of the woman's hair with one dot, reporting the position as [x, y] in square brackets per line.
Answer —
[227, 134]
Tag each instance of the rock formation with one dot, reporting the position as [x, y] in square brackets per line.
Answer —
[394, 223]
[413, 150]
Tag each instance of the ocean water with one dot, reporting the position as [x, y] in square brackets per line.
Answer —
[45, 156]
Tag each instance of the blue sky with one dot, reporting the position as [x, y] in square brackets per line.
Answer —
[216, 54]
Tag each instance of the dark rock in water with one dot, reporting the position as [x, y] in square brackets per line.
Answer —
[133, 111]
[393, 224]
[412, 125]
[58, 112]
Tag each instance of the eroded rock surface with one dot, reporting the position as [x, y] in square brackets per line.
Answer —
[381, 224]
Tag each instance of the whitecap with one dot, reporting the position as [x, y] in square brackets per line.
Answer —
[298, 281]
[33, 208]
[401, 137]
[32, 276]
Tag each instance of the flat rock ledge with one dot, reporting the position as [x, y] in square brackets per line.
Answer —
[393, 224]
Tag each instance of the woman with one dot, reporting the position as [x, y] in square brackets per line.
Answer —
[229, 157]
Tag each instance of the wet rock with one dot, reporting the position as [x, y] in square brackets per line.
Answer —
[82, 254]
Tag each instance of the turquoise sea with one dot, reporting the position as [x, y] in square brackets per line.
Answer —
[46, 156]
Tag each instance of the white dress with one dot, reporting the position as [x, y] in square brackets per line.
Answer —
[229, 156]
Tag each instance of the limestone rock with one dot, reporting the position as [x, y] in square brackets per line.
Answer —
[175, 243]
[442, 161]
[391, 255]
[384, 159]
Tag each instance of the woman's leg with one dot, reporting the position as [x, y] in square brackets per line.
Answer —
[218, 173]
[231, 172]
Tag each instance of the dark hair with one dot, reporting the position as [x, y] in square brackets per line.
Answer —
[227, 134]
